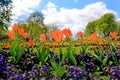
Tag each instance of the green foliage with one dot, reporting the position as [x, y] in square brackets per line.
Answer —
[118, 27]
[70, 54]
[42, 53]
[5, 14]
[90, 28]
[113, 50]
[0, 47]
[16, 51]
[84, 49]
[102, 26]
[5, 11]
[34, 29]
[99, 55]
[58, 69]
[62, 56]
[3, 31]
[106, 60]
[36, 17]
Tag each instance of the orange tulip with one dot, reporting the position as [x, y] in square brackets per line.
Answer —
[80, 34]
[21, 31]
[15, 27]
[11, 35]
[94, 36]
[67, 32]
[30, 42]
[113, 34]
[62, 34]
[25, 35]
[42, 38]
[56, 35]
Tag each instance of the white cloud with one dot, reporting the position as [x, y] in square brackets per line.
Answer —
[75, 19]
[23, 8]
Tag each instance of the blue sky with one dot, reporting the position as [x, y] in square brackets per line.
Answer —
[79, 4]
[73, 14]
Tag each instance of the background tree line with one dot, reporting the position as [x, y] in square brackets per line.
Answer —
[103, 26]
[35, 24]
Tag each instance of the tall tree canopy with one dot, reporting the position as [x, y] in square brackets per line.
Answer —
[36, 17]
[35, 25]
[5, 11]
[5, 14]
[118, 27]
[102, 26]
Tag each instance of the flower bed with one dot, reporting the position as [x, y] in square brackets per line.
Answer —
[24, 58]
[40, 63]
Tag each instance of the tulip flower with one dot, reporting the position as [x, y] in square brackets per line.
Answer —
[80, 34]
[21, 31]
[25, 35]
[94, 36]
[30, 42]
[113, 34]
[67, 32]
[56, 35]
[15, 27]
[11, 35]
[42, 38]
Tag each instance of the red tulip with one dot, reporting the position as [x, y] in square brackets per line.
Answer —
[30, 42]
[80, 34]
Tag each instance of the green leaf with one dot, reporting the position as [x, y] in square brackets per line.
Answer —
[93, 53]
[19, 53]
[60, 71]
[101, 54]
[13, 48]
[105, 60]
[85, 48]
[114, 59]
[113, 48]
[110, 62]
[72, 59]
[53, 63]
[42, 54]
[105, 77]
[45, 56]
[70, 54]
[61, 56]
[98, 73]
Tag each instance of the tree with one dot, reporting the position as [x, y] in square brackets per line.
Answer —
[5, 14]
[36, 17]
[106, 24]
[5, 11]
[118, 27]
[103, 26]
[50, 28]
[90, 28]
[33, 29]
